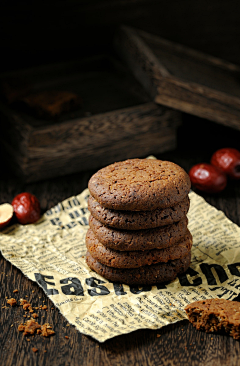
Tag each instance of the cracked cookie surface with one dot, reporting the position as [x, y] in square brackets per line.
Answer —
[140, 185]
[215, 315]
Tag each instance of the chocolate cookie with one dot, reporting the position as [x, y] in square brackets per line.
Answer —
[157, 238]
[140, 185]
[147, 275]
[136, 259]
[135, 220]
[214, 315]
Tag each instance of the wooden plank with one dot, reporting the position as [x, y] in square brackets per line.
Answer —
[181, 78]
[92, 142]
[117, 120]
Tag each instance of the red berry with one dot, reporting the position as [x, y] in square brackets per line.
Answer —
[26, 208]
[228, 160]
[207, 178]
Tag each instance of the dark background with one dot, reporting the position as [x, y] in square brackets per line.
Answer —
[48, 31]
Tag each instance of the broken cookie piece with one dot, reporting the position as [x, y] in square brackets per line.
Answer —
[214, 315]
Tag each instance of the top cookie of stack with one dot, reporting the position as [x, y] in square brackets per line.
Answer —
[139, 201]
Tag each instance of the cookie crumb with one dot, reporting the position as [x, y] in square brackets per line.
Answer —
[26, 306]
[21, 327]
[14, 291]
[23, 301]
[34, 349]
[158, 335]
[12, 302]
[66, 337]
[29, 327]
[47, 330]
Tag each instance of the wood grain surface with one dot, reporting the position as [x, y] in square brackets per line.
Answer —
[181, 78]
[117, 120]
[176, 344]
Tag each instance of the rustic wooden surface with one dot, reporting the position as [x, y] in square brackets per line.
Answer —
[178, 344]
[117, 120]
[181, 78]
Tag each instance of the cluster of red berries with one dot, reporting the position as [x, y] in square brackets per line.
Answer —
[212, 178]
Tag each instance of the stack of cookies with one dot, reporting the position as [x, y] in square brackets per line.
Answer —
[138, 226]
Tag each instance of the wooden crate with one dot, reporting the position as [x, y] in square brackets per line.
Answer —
[181, 78]
[117, 121]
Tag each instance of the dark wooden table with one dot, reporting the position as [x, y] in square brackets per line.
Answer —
[178, 344]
